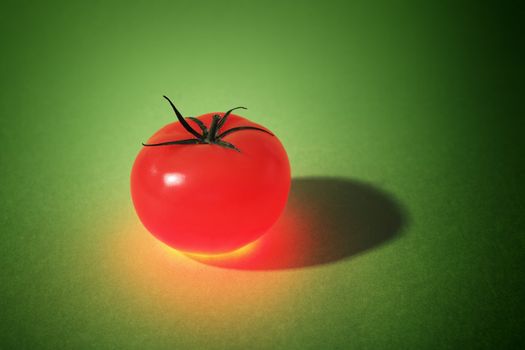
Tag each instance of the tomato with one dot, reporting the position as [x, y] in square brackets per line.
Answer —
[210, 184]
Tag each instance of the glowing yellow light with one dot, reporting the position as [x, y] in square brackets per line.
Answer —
[212, 298]
[233, 254]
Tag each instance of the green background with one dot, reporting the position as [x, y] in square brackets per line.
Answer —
[418, 101]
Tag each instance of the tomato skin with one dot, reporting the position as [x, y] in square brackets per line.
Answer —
[206, 198]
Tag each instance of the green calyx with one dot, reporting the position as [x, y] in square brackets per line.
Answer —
[213, 135]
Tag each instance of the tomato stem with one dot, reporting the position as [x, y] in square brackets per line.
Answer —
[227, 132]
[210, 136]
[213, 128]
[225, 116]
[182, 120]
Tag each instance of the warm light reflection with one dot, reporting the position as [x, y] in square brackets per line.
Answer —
[242, 251]
[166, 282]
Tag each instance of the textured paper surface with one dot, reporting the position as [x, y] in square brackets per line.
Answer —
[412, 107]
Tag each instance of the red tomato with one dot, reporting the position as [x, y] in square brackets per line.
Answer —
[214, 191]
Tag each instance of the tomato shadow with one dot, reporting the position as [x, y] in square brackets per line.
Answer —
[325, 220]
